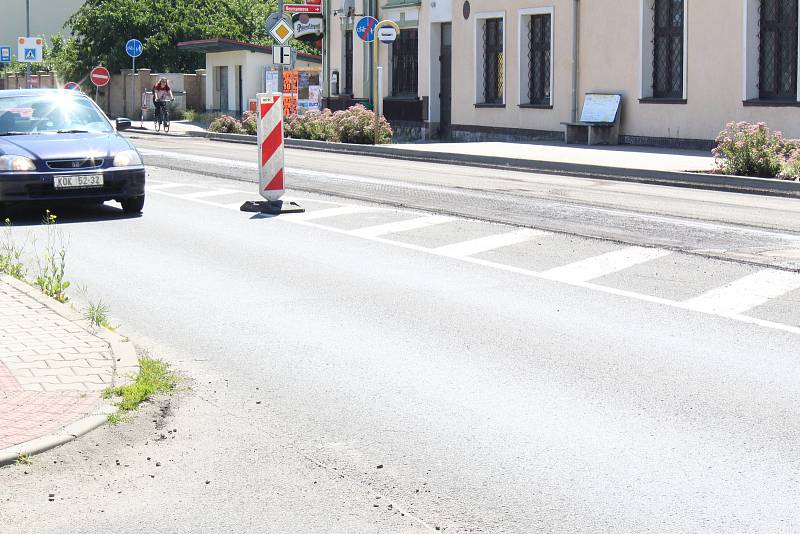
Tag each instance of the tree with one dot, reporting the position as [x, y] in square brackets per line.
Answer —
[100, 29]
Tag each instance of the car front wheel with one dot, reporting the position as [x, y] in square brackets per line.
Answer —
[133, 205]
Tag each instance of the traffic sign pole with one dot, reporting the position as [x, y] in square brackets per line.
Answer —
[376, 46]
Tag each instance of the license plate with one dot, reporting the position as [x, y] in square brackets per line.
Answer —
[78, 181]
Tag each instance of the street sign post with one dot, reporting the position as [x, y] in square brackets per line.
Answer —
[380, 27]
[5, 54]
[387, 35]
[281, 31]
[282, 55]
[365, 28]
[100, 76]
[29, 49]
[134, 49]
[302, 8]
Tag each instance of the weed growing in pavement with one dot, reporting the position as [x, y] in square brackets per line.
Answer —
[11, 254]
[24, 459]
[97, 314]
[52, 264]
[154, 377]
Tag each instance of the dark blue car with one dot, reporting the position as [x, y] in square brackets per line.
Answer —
[58, 145]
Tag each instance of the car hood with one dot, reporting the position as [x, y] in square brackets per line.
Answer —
[64, 146]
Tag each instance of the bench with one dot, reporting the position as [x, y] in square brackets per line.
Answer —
[599, 124]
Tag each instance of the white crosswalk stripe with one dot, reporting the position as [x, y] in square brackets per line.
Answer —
[401, 226]
[605, 264]
[328, 212]
[214, 193]
[746, 293]
[485, 244]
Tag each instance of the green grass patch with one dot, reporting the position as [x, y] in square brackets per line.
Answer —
[24, 459]
[154, 377]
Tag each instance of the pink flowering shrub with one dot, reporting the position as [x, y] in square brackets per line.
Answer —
[226, 124]
[747, 149]
[791, 168]
[353, 125]
[249, 124]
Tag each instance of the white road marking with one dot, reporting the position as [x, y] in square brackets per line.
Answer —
[604, 264]
[401, 226]
[746, 293]
[485, 244]
[295, 218]
[166, 185]
[214, 193]
[328, 212]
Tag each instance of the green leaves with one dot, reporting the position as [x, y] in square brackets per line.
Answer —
[100, 29]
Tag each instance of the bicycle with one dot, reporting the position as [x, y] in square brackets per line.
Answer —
[162, 117]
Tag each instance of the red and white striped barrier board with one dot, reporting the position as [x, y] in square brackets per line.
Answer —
[270, 145]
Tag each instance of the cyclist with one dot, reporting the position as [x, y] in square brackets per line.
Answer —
[162, 93]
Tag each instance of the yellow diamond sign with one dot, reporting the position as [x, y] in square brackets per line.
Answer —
[281, 32]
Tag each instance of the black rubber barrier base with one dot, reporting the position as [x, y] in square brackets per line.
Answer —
[277, 207]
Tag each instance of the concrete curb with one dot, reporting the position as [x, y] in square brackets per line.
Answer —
[126, 367]
[699, 180]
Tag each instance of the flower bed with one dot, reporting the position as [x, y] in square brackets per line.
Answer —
[748, 149]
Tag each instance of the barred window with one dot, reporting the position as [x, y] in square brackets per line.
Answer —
[668, 46]
[777, 72]
[348, 62]
[539, 39]
[493, 61]
[404, 64]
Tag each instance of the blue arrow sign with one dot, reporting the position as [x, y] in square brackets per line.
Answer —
[134, 48]
[365, 29]
[5, 54]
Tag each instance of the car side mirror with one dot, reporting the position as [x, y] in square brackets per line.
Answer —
[123, 124]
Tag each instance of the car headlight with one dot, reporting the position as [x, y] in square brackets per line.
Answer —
[16, 163]
[128, 158]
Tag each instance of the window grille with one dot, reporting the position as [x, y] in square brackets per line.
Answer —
[348, 62]
[493, 61]
[404, 64]
[539, 38]
[668, 48]
[777, 73]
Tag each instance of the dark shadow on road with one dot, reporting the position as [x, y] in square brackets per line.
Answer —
[66, 212]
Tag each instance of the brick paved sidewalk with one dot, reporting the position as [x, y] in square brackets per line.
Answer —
[53, 368]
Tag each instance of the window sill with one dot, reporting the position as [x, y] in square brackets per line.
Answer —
[771, 103]
[405, 98]
[490, 105]
[662, 101]
[536, 106]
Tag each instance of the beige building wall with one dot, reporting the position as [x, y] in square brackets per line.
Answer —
[47, 17]
[715, 69]
[465, 73]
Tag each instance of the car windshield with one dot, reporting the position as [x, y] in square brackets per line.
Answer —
[50, 113]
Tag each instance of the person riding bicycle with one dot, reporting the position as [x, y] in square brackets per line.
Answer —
[162, 93]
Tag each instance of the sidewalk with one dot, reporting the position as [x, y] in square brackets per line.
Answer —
[620, 156]
[53, 369]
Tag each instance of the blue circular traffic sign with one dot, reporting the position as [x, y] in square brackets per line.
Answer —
[134, 48]
[72, 86]
[365, 28]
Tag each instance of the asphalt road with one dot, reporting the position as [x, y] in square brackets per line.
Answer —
[376, 369]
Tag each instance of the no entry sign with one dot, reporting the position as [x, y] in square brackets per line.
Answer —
[100, 76]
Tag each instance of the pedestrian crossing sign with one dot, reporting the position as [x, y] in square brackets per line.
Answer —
[30, 49]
